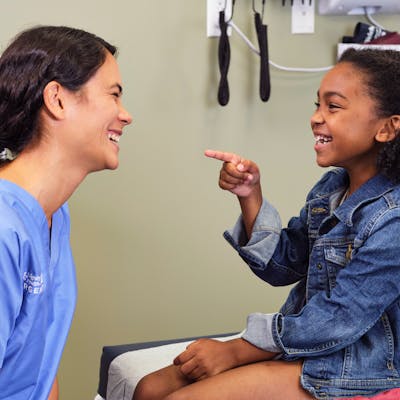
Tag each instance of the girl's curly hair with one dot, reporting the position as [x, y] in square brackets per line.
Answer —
[381, 70]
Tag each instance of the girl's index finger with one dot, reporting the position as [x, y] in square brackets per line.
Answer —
[223, 156]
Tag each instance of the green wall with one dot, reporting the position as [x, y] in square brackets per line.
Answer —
[147, 238]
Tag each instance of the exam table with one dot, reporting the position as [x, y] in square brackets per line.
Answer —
[122, 366]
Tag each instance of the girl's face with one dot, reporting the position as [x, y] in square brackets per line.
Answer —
[345, 123]
[97, 118]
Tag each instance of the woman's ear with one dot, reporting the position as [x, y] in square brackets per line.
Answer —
[53, 98]
[389, 130]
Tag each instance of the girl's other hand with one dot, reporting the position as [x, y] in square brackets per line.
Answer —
[205, 358]
[237, 175]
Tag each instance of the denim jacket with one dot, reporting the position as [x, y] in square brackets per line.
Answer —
[343, 315]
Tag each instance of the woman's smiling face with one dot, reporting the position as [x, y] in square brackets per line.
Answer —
[98, 118]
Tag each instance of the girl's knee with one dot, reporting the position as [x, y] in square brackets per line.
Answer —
[176, 396]
[147, 389]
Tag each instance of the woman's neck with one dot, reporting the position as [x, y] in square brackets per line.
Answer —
[50, 181]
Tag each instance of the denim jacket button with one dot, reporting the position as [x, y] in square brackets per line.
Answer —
[319, 266]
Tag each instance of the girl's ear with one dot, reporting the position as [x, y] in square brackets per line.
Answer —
[389, 130]
[53, 98]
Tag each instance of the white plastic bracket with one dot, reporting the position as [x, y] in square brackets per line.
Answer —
[303, 16]
[213, 9]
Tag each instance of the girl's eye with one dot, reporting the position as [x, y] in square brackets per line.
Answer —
[331, 106]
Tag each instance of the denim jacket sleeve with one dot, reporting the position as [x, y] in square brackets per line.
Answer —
[364, 289]
[290, 245]
[268, 238]
[265, 236]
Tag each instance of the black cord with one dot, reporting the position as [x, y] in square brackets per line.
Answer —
[224, 56]
[262, 36]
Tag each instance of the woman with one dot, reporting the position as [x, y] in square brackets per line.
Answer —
[61, 117]
[338, 333]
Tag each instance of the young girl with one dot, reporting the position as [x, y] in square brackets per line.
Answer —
[338, 333]
[61, 117]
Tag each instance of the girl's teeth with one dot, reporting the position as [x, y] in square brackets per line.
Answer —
[323, 139]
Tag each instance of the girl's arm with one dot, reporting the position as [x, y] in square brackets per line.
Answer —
[250, 207]
[258, 231]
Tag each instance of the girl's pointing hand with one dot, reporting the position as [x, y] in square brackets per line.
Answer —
[237, 175]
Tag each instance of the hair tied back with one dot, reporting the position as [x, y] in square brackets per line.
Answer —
[7, 155]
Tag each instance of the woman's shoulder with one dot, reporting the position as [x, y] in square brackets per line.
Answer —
[20, 211]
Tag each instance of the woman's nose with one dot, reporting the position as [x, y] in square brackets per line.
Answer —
[124, 116]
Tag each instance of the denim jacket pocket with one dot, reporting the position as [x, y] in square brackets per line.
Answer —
[337, 257]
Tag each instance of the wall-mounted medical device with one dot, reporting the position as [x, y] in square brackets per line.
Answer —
[358, 7]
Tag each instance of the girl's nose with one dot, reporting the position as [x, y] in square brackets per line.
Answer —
[317, 117]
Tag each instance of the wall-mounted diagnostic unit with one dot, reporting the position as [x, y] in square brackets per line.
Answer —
[358, 7]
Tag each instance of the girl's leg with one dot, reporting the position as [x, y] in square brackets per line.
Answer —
[158, 384]
[268, 380]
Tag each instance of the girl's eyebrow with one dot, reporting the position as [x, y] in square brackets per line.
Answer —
[332, 93]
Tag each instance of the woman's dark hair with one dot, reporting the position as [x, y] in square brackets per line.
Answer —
[381, 72]
[34, 58]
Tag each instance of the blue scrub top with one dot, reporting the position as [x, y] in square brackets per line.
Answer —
[37, 294]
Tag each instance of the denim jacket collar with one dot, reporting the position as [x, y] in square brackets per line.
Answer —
[375, 187]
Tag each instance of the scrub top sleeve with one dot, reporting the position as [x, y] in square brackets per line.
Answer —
[11, 288]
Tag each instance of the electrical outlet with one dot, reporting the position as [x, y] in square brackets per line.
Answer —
[303, 16]
[213, 9]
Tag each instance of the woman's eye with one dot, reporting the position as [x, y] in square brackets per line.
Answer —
[116, 94]
[317, 104]
[333, 106]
